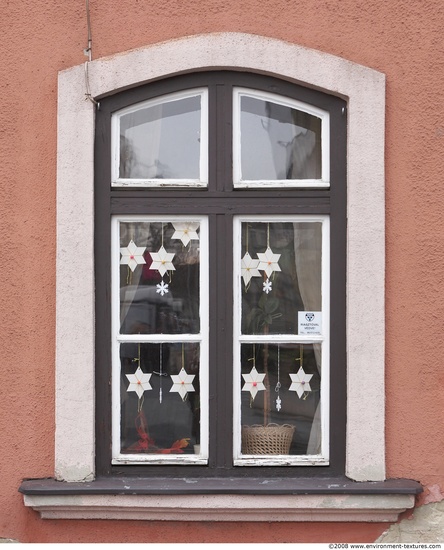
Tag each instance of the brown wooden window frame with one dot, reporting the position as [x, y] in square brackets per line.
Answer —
[220, 201]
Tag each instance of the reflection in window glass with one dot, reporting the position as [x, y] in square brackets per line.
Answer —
[279, 399]
[278, 142]
[160, 350]
[159, 277]
[281, 275]
[160, 398]
[281, 343]
[162, 140]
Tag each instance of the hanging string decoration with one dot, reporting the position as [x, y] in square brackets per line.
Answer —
[162, 288]
[160, 373]
[132, 255]
[254, 381]
[268, 260]
[267, 286]
[185, 231]
[268, 263]
[139, 382]
[182, 382]
[249, 268]
[278, 383]
[162, 261]
[300, 382]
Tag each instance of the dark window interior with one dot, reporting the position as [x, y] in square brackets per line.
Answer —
[220, 202]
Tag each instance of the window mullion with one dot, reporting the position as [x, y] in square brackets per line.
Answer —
[221, 354]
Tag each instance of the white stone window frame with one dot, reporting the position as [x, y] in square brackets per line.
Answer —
[364, 90]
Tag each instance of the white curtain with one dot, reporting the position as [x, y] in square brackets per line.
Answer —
[308, 252]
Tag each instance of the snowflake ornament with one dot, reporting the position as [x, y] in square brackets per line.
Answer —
[139, 382]
[132, 255]
[300, 382]
[162, 288]
[249, 268]
[278, 403]
[182, 383]
[186, 231]
[267, 286]
[162, 261]
[253, 382]
[268, 262]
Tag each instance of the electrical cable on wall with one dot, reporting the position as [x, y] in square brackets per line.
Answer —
[88, 52]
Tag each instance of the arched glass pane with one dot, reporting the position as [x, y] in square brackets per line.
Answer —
[278, 141]
[162, 139]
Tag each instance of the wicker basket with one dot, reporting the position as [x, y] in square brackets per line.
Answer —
[267, 440]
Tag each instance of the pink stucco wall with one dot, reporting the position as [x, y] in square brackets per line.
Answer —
[402, 39]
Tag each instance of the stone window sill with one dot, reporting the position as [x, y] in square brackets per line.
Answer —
[216, 499]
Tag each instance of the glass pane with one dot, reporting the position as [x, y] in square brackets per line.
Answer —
[162, 141]
[278, 142]
[281, 275]
[159, 277]
[280, 399]
[160, 398]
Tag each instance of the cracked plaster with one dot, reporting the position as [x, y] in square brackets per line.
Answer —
[426, 524]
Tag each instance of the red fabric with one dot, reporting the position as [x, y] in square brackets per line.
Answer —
[146, 443]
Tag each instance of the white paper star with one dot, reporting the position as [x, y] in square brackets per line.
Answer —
[182, 383]
[300, 382]
[253, 382]
[186, 231]
[139, 382]
[268, 262]
[162, 288]
[249, 268]
[267, 286]
[132, 255]
[162, 261]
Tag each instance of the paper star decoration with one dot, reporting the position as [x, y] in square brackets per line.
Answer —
[253, 382]
[132, 255]
[182, 383]
[268, 262]
[300, 382]
[267, 286]
[139, 382]
[249, 268]
[162, 288]
[186, 231]
[162, 261]
[278, 403]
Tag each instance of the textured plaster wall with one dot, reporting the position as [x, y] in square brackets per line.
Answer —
[425, 524]
[402, 39]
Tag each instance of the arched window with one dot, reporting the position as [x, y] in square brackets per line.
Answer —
[222, 197]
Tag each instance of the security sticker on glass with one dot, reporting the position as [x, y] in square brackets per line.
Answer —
[309, 322]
